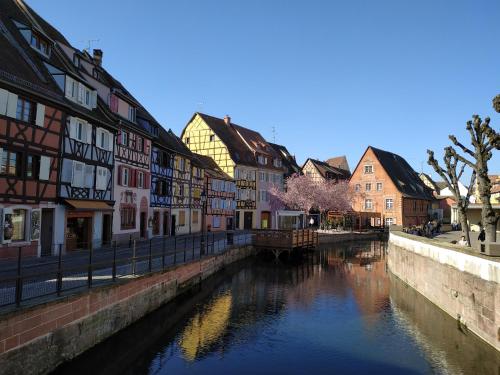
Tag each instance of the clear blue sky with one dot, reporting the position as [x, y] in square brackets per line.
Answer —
[331, 76]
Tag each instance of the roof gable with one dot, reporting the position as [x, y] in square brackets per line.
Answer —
[405, 179]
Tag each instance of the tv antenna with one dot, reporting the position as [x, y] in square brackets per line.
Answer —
[274, 133]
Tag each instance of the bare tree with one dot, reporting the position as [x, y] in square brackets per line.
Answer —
[496, 103]
[484, 140]
[452, 178]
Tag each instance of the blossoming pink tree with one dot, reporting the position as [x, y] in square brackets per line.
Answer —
[304, 193]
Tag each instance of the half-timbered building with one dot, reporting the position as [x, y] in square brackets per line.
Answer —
[181, 218]
[131, 148]
[270, 173]
[85, 189]
[220, 193]
[162, 163]
[219, 139]
[32, 111]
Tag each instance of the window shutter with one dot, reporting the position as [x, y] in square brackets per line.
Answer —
[147, 180]
[120, 173]
[93, 99]
[72, 127]
[119, 137]
[89, 132]
[4, 97]
[81, 92]
[78, 174]
[12, 105]
[111, 141]
[69, 86]
[89, 176]
[44, 168]
[132, 173]
[40, 115]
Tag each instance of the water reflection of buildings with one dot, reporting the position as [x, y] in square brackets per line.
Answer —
[206, 327]
[447, 348]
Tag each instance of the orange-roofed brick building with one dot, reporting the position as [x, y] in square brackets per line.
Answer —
[387, 191]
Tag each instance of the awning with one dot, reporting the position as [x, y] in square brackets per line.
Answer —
[85, 205]
[290, 213]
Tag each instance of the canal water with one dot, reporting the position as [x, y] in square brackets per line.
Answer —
[336, 311]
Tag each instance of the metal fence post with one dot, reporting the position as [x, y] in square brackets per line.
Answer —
[89, 276]
[59, 271]
[163, 254]
[19, 283]
[185, 249]
[193, 248]
[150, 255]
[133, 257]
[113, 275]
[175, 250]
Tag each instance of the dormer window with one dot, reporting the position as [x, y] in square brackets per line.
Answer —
[76, 60]
[39, 43]
[124, 138]
[131, 113]
[277, 162]
[80, 93]
[95, 73]
[262, 160]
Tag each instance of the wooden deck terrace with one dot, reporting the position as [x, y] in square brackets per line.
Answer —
[279, 241]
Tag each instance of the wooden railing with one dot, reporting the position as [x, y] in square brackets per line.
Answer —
[286, 239]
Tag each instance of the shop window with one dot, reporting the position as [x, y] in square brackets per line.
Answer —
[182, 218]
[127, 217]
[18, 225]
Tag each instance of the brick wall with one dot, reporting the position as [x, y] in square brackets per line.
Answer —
[37, 339]
[465, 285]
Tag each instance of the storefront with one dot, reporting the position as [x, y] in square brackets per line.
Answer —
[87, 224]
[290, 219]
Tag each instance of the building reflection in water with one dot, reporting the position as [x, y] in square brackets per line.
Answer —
[206, 327]
[336, 306]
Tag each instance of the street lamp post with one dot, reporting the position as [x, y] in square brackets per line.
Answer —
[203, 221]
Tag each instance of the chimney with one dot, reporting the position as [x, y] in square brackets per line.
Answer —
[98, 56]
[227, 120]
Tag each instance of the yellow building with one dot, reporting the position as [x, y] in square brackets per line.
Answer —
[244, 155]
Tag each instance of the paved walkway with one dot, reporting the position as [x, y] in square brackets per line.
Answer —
[40, 275]
[455, 236]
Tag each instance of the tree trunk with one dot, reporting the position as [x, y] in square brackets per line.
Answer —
[462, 217]
[488, 218]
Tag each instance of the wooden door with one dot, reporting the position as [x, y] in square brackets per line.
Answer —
[106, 229]
[172, 232]
[47, 232]
[143, 225]
[165, 223]
[248, 220]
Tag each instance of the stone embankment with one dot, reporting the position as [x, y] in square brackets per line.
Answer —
[464, 284]
[36, 340]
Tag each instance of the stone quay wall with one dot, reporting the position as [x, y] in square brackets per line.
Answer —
[464, 284]
[37, 339]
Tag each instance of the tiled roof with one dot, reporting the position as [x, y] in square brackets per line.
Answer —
[24, 67]
[288, 160]
[211, 167]
[339, 162]
[324, 168]
[170, 141]
[402, 175]
[239, 151]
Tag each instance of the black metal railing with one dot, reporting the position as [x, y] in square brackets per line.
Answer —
[26, 279]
